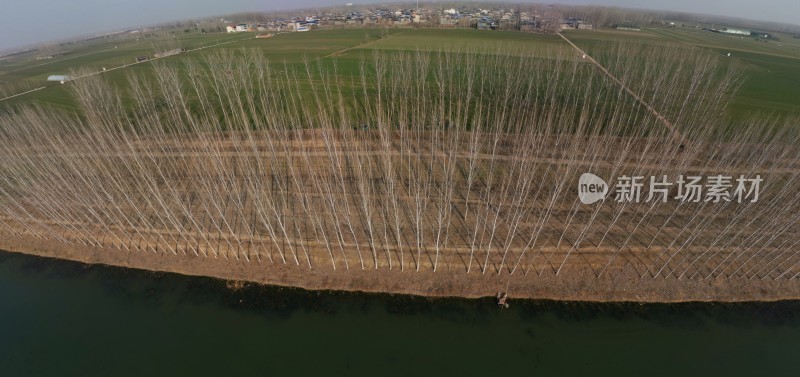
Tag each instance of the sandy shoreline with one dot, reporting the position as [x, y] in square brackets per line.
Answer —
[623, 286]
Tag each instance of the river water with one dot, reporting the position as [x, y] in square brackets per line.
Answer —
[63, 318]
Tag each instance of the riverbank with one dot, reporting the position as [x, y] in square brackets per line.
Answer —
[623, 285]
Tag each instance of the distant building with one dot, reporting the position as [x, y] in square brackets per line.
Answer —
[736, 31]
[740, 32]
[448, 22]
[575, 23]
[59, 78]
[486, 24]
[300, 26]
[628, 26]
[240, 28]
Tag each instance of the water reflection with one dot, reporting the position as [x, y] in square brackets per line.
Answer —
[62, 318]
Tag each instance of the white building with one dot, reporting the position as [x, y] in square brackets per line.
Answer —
[59, 78]
[299, 26]
[237, 28]
[736, 31]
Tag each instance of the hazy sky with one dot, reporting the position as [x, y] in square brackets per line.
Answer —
[24, 22]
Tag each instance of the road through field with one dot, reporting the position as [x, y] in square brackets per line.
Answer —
[676, 134]
[123, 66]
[65, 59]
[187, 51]
[360, 45]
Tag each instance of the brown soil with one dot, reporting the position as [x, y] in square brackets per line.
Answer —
[554, 249]
[623, 285]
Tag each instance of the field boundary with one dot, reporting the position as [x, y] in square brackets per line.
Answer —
[123, 66]
[361, 45]
[675, 133]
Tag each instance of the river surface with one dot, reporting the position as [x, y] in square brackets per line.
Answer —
[62, 318]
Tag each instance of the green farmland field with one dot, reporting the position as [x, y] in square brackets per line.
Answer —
[769, 72]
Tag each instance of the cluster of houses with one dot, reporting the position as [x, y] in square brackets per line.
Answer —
[491, 19]
[380, 16]
[462, 17]
[281, 25]
[245, 28]
[575, 23]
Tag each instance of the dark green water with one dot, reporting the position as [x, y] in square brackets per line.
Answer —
[62, 319]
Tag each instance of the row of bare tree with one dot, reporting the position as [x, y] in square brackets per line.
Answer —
[459, 160]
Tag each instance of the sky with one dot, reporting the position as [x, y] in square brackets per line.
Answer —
[28, 22]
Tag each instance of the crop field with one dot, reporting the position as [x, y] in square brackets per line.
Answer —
[345, 49]
[26, 71]
[769, 71]
[418, 150]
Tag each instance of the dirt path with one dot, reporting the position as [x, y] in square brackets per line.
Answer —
[675, 133]
[121, 67]
[361, 45]
[62, 60]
